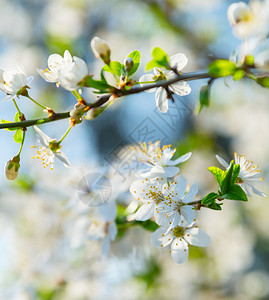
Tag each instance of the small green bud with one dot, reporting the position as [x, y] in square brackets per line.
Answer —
[128, 64]
[12, 168]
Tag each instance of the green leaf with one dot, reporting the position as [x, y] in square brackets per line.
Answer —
[239, 74]
[114, 67]
[227, 180]
[249, 60]
[17, 117]
[160, 59]
[235, 192]
[148, 225]
[215, 206]
[135, 56]
[6, 122]
[204, 97]
[209, 199]
[18, 136]
[264, 81]
[236, 171]
[96, 84]
[222, 68]
[218, 173]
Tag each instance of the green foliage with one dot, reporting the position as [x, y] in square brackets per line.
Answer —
[263, 81]
[115, 68]
[148, 225]
[228, 187]
[203, 97]
[6, 122]
[239, 74]
[135, 56]
[249, 60]
[18, 137]
[222, 68]
[160, 59]
[101, 85]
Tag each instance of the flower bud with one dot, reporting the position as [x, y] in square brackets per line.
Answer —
[77, 113]
[12, 168]
[100, 49]
[128, 64]
[93, 113]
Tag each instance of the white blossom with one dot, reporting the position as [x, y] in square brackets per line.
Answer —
[55, 64]
[14, 82]
[100, 49]
[180, 237]
[49, 149]
[181, 88]
[248, 173]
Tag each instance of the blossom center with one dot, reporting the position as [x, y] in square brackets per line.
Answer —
[179, 231]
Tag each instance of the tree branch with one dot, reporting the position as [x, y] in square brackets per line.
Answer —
[102, 100]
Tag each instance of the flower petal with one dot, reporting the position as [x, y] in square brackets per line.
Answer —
[112, 230]
[45, 139]
[222, 162]
[145, 212]
[179, 251]
[63, 158]
[171, 171]
[160, 238]
[178, 61]
[105, 246]
[108, 211]
[161, 100]
[256, 191]
[181, 88]
[197, 237]
[189, 213]
[179, 186]
[179, 160]
[191, 193]
[147, 77]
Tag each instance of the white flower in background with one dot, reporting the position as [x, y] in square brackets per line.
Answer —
[101, 229]
[48, 150]
[55, 63]
[262, 60]
[175, 206]
[14, 82]
[249, 19]
[180, 237]
[100, 49]
[72, 73]
[149, 194]
[248, 173]
[181, 88]
[160, 163]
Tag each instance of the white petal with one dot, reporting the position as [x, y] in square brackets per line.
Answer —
[197, 237]
[179, 251]
[145, 212]
[160, 238]
[63, 158]
[108, 211]
[191, 193]
[180, 159]
[161, 100]
[45, 139]
[189, 213]
[256, 191]
[67, 57]
[178, 61]
[147, 77]
[140, 190]
[180, 186]
[105, 246]
[181, 88]
[222, 162]
[55, 62]
[112, 230]
[171, 171]
[48, 75]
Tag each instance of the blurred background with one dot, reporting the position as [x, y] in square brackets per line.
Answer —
[45, 252]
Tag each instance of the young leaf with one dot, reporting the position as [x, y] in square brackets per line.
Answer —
[17, 117]
[209, 199]
[227, 179]
[236, 171]
[218, 173]
[239, 74]
[263, 81]
[96, 84]
[235, 192]
[148, 225]
[204, 97]
[215, 206]
[135, 56]
[114, 67]
[18, 136]
[222, 68]
[6, 122]
[160, 59]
